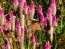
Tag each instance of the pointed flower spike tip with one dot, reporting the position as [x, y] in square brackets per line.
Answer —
[53, 7]
[31, 10]
[11, 15]
[55, 21]
[15, 4]
[32, 39]
[40, 10]
[40, 13]
[25, 8]
[49, 10]
[32, 5]
[22, 2]
[48, 45]
[49, 13]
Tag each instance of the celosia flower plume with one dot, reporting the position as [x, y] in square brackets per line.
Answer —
[55, 21]
[48, 45]
[18, 27]
[25, 8]
[40, 10]
[15, 4]
[32, 39]
[22, 2]
[49, 15]
[11, 15]
[7, 44]
[12, 20]
[31, 10]
[53, 7]
[41, 17]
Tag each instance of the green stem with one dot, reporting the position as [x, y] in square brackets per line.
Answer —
[61, 24]
[29, 43]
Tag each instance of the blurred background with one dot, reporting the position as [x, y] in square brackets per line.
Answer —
[59, 42]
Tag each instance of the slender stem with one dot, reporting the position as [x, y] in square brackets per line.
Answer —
[34, 46]
[61, 17]
[61, 24]
[29, 43]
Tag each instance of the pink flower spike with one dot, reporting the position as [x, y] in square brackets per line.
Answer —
[32, 39]
[49, 13]
[22, 2]
[18, 23]
[48, 45]
[15, 4]
[18, 27]
[31, 10]
[32, 5]
[12, 20]
[11, 15]
[55, 21]
[53, 7]
[42, 17]
[7, 44]
[40, 10]
[1, 29]
[44, 22]
[25, 8]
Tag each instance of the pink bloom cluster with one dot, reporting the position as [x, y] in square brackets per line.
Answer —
[11, 15]
[15, 4]
[51, 12]
[7, 44]
[19, 29]
[55, 21]
[32, 38]
[53, 6]
[41, 16]
[29, 10]
[47, 45]
[9, 23]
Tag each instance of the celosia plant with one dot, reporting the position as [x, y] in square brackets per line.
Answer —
[22, 32]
